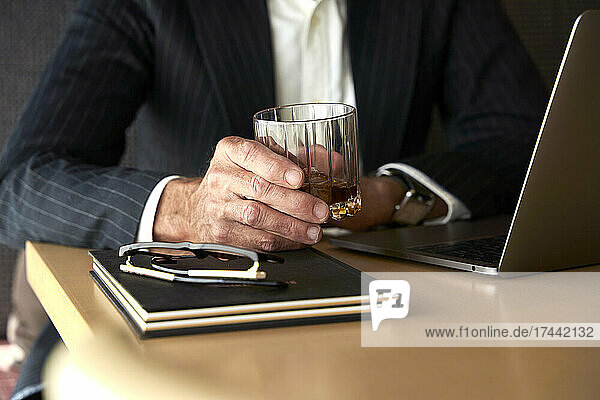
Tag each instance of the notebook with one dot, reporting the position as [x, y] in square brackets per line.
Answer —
[322, 290]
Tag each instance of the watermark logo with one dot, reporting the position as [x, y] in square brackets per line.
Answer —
[389, 299]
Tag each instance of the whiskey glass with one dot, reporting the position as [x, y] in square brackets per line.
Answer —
[321, 138]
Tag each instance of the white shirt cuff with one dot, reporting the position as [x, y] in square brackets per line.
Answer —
[456, 209]
[146, 226]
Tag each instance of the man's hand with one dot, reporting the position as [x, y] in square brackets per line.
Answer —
[247, 198]
[379, 196]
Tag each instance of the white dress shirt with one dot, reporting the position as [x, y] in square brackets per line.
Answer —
[311, 63]
[310, 51]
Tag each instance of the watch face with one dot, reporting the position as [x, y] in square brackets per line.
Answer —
[411, 211]
[420, 197]
[417, 201]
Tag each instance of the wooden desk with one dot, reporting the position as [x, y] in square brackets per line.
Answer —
[320, 361]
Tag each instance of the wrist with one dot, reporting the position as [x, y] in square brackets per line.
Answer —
[439, 209]
[171, 222]
[378, 197]
[417, 203]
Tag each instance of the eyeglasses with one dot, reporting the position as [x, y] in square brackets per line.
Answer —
[166, 261]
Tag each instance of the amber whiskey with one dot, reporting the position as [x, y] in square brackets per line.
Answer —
[343, 199]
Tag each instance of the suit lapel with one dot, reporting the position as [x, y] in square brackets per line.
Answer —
[234, 38]
[385, 37]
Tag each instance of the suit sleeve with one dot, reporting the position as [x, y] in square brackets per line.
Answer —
[59, 179]
[492, 102]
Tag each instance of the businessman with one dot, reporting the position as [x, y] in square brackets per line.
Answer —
[194, 72]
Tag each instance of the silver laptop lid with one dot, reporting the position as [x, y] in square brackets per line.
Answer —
[557, 220]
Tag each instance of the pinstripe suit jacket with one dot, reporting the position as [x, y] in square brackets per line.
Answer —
[196, 71]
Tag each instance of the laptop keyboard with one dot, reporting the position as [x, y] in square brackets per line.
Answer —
[485, 250]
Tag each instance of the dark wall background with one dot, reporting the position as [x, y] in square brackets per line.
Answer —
[31, 29]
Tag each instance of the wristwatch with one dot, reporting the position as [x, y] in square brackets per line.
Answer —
[417, 201]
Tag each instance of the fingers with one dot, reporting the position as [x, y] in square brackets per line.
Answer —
[251, 238]
[326, 161]
[249, 198]
[257, 158]
[265, 218]
[247, 185]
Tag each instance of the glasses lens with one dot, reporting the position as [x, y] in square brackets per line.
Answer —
[184, 260]
[172, 254]
[224, 256]
[141, 260]
[169, 253]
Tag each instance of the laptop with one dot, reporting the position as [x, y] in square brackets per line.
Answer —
[556, 224]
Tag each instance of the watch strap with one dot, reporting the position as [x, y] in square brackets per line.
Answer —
[416, 203]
